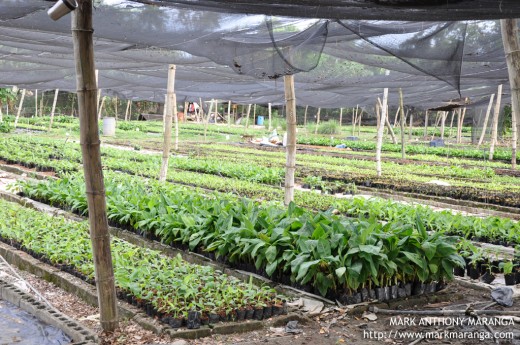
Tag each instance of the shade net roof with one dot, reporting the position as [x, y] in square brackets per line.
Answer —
[240, 57]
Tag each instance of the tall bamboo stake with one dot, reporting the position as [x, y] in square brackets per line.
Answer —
[451, 123]
[19, 108]
[127, 111]
[229, 113]
[379, 143]
[461, 124]
[175, 115]
[410, 128]
[484, 126]
[53, 108]
[115, 107]
[401, 106]
[269, 113]
[444, 115]
[254, 114]
[100, 109]
[354, 118]
[317, 121]
[426, 123]
[510, 37]
[340, 117]
[82, 32]
[378, 117]
[206, 119]
[41, 102]
[185, 117]
[72, 109]
[36, 103]
[359, 122]
[290, 165]
[168, 109]
[494, 131]
[247, 116]
[305, 116]
[387, 123]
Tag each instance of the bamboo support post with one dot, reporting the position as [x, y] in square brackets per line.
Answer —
[317, 121]
[426, 124]
[486, 119]
[100, 110]
[290, 165]
[461, 124]
[510, 37]
[20, 106]
[444, 115]
[340, 117]
[41, 102]
[36, 103]
[269, 114]
[410, 128]
[229, 113]
[451, 123]
[379, 143]
[354, 118]
[359, 122]
[254, 114]
[168, 111]
[494, 128]
[53, 108]
[247, 116]
[82, 32]
[206, 119]
[401, 122]
[127, 111]
[305, 115]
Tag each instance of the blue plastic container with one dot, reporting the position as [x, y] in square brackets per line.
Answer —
[260, 120]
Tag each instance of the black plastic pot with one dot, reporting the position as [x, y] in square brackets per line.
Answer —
[176, 322]
[430, 287]
[213, 318]
[487, 277]
[372, 293]
[401, 291]
[364, 294]
[166, 319]
[268, 312]
[354, 298]
[393, 292]
[459, 271]
[241, 314]
[510, 278]
[277, 310]
[474, 272]
[258, 314]
[418, 289]
[381, 295]
[193, 321]
[250, 313]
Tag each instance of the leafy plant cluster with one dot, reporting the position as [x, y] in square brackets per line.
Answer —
[172, 286]
[330, 253]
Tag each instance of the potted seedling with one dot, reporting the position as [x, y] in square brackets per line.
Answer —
[507, 269]
[488, 275]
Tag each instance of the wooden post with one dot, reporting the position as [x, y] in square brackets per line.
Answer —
[410, 128]
[19, 108]
[290, 165]
[254, 114]
[484, 126]
[359, 122]
[401, 106]
[354, 118]
[98, 92]
[185, 118]
[461, 125]
[378, 117]
[396, 115]
[426, 124]
[510, 37]
[53, 108]
[317, 121]
[90, 146]
[41, 103]
[387, 123]
[115, 108]
[494, 129]
[451, 123]
[100, 109]
[175, 115]
[269, 113]
[127, 111]
[305, 116]
[229, 113]
[444, 115]
[247, 116]
[340, 117]
[72, 105]
[36, 103]
[206, 119]
[380, 129]
[168, 110]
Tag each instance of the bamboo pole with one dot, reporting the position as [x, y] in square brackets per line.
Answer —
[115, 107]
[100, 109]
[494, 131]
[426, 124]
[72, 106]
[127, 111]
[175, 115]
[510, 37]
[317, 121]
[305, 116]
[41, 102]
[168, 111]
[451, 123]
[290, 165]
[269, 113]
[354, 118]
[410, 128]
[401, 122]
[98, 92]
[229, 113]
[19, 108]
[379, 143]
[36, 103]
[53, 108]
[359, 123]
[387, 123]
[206, 119]
[486, 119]
[254, 114]
[247, 117]
[185, 117]
[396, 115]
[82, 33]
[378, 117]
[340, 117]
[461, 124]
[444, 115]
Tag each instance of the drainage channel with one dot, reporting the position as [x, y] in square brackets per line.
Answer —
[21, 328]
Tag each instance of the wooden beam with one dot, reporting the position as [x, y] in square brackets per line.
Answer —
[510, 37]
[290, 165]
[82, 32]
